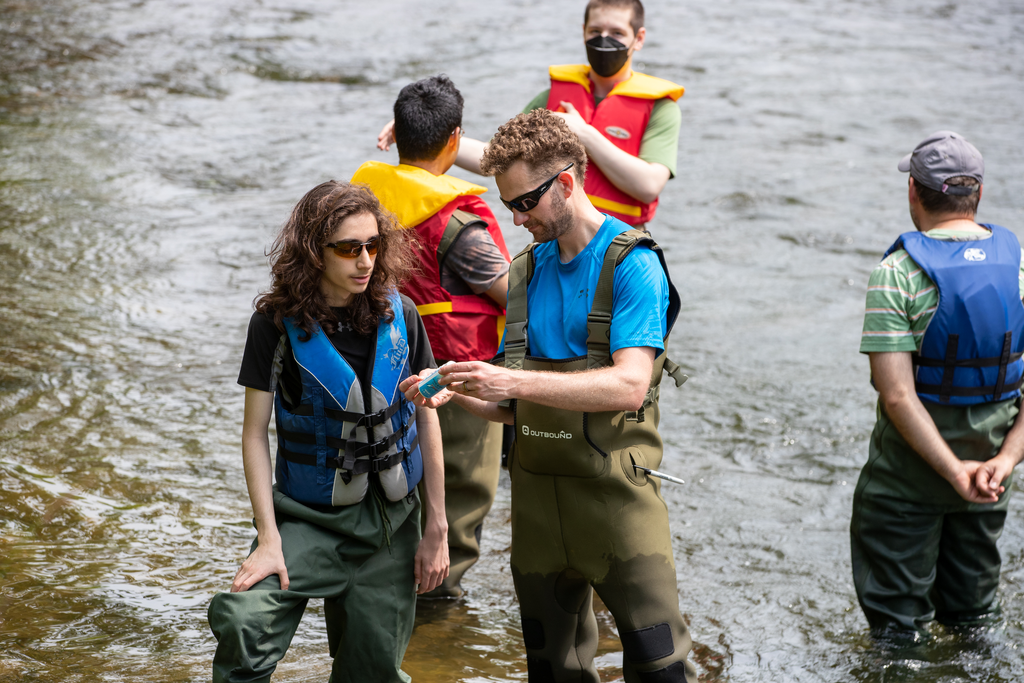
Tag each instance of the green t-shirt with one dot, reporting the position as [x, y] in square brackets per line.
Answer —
[660, 143]
[901, 298]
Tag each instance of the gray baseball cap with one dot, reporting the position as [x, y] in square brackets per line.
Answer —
[941, 156]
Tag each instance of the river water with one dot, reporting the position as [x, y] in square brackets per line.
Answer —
[149, 150]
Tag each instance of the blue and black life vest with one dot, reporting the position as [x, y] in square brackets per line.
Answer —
[329, 444]
[971, 350]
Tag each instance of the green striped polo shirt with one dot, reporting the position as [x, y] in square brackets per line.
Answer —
[901, 298]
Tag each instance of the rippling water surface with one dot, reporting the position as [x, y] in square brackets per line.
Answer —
[150, 149]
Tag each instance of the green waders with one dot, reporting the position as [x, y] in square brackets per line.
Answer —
[472, 463]
[472, 460]
[341, 556]
[585, 519]
[919, 551]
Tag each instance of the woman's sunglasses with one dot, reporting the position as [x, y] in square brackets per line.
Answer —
[352, 249]
[530, 200]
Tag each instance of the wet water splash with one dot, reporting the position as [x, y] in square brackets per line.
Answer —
[149, 151]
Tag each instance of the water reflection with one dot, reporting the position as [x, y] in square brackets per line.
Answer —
[149, 151]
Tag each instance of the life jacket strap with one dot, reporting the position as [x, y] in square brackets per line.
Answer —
[969, 362]
[352, 452]
[950, 368]
[361, 466]
[945, 390]
[359, 448]
[1004, 359]
[968, 391]
[361, 419]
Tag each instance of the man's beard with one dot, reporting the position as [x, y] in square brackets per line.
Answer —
[562, 222]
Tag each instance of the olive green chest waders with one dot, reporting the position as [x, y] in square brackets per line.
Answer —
[919, 551]
[472, 461]
[583, 518]
[360, 559]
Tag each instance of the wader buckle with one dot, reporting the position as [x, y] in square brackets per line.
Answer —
[675, 372]
[599, 328]
[515, 335]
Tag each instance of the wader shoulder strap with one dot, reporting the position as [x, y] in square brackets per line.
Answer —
[600, 318]
[519, 275]
[458, 222]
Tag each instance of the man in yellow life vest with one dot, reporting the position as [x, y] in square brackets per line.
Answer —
[460, 291]
[627, 121]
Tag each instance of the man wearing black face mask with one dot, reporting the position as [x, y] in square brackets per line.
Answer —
[628, 122]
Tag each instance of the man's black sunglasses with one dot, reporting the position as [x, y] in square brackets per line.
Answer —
[529, 200]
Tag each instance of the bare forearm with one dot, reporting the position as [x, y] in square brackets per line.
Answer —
[620, 386]
[893, 376]
[639, 179]
[429, 430]
[916, 426]
[1013, 445]
[588, 391]
[470, 152]
[259, 482]
[485, 409]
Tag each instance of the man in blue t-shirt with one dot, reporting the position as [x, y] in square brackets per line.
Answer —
[589, 311]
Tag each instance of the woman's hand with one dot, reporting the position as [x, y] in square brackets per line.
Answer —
[432, 558]
[410, 386]
[267, 559]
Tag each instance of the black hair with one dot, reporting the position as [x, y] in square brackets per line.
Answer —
[426, 114]
[935, 202]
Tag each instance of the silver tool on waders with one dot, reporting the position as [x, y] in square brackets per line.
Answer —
[659, 475]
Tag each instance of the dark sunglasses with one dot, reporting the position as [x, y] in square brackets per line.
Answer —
[352, 249]
[529, 200]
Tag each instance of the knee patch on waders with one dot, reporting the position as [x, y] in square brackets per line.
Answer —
[673, 673]
[539, 670]
[648, 644]
[533, 634]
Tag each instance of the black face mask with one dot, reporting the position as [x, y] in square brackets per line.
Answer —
[606, 55]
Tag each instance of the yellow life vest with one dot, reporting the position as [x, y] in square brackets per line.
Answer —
[638, 85]
[411, 193]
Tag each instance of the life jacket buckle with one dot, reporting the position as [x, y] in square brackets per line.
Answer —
[372, 419]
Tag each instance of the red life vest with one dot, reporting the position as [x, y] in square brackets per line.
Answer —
[621, 117]
[459, 327]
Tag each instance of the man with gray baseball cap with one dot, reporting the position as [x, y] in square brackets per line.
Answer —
[944, 331]
[942, 156]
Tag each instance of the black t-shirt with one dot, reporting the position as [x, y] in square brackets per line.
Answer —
[268, 360]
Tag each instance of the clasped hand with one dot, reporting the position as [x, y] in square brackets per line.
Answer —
[981, 482]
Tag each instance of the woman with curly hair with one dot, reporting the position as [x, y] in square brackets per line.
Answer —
[326, 350]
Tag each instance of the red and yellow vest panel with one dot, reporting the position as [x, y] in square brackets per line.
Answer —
[622, 118]
[459, 328]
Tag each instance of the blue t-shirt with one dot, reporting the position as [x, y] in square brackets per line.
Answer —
[561, 294]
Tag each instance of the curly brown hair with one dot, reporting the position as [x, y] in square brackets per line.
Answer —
[297, 265]
[539, 138]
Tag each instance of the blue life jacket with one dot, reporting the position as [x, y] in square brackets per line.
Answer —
[971, 350]
[329, 444]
